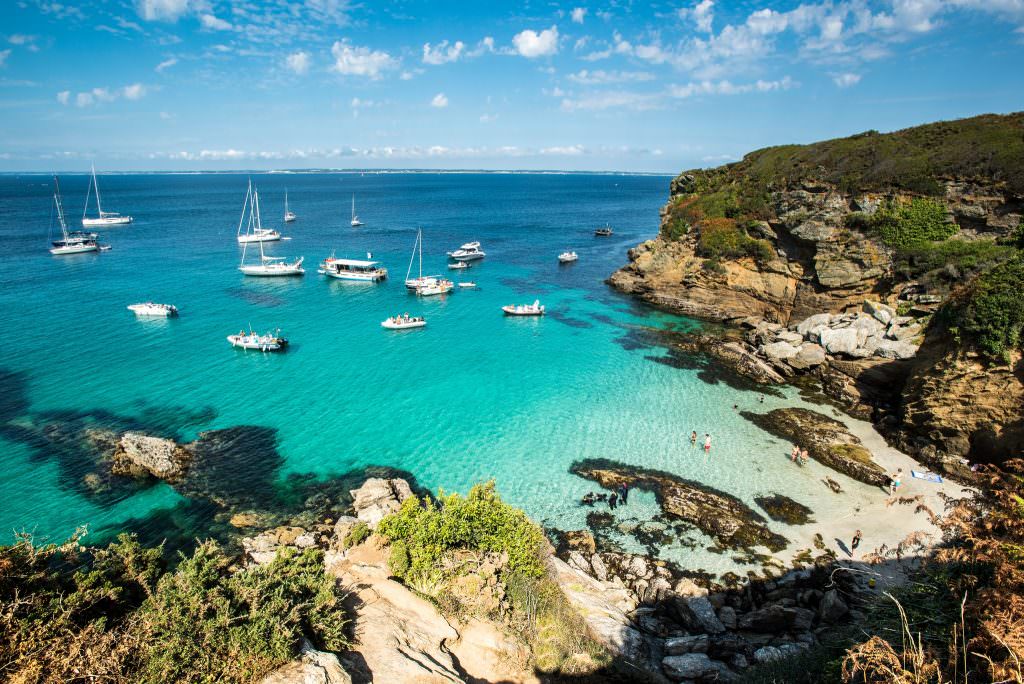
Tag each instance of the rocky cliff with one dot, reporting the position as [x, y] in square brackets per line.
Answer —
[901, 219]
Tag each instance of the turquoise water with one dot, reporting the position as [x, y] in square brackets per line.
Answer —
[473, 396]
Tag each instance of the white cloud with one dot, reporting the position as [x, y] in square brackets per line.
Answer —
[163, 10]
[578, 13]
[488, 118]
[612, 100]
[298, 62]
[728, 88]
[360, 61]
[209, 21]
[597, 55]
[599, 76]
[4, 54]
[443, 53]
[531, 44]
[485, 46]
[440, 100]
[166, 116]
[846, 80]
[702, 14]
[166, 64]
[564, 150]
[83, 99]
[64, 96]
[135, 91]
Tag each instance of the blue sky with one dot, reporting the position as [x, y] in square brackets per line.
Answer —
[233, 84]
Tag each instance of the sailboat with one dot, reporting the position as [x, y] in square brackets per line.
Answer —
[267, 266]
[355, 219]
[73, 242]
[425, 285]
[103, 218]
[289, 216]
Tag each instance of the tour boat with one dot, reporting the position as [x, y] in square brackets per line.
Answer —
[289, 215]
[353, 269]
[355, 219]
[404, 322]
[268, 266]
[468, 252]
[429, 285]
[458, 265]
[535, 309]
[467, 284]
[103, 218]
[153, 309]
[603, 232]
[72, 242]
[265, 343]
[567, 257]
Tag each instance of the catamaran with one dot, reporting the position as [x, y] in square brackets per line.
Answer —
[353, 269]
[425, 285]
[268, 266]
[289, 216]
[73, 242]
[103, 218]
[468, 252]
[355, 219]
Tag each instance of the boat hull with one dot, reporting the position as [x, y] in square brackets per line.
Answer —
[511, 311]
[74, 249]
[258, 238]
[466, 257]
[412, 325]
[153, 311]
[241, 342]
[265, 272]
[106, 221]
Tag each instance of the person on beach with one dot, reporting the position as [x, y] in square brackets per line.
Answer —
[794, 453]
[613, 500]
[707, 442]
[693, 437]
[623, 493]
[804, 456]
[895, 481]
[856, 541]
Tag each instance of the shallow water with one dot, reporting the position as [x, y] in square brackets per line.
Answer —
[473, 396]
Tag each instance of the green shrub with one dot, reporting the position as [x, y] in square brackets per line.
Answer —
[399, 562]
[357, 535]
[940, 264]
[910, 224]
[721, 238]
[480, 521]
[989, 314]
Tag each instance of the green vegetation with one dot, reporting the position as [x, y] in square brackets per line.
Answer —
[905, 225]
[940, 265]
[722, 238]
[357, 535]
[116, 614]
[989, 313]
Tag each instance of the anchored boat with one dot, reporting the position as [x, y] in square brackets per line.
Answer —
[75, 241]
[535, 309]
[353, 269]
[468, 252]
[289, 215]
[153, 309]
[604, 232]
[264, 343]
[567, 257]
[405, 322]
[268, 266]
[103, 218]
[355, 222]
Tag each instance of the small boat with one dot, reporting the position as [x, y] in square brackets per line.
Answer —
[352, 269]
[103, 218]
[438, 287]
[468, 252]
[405, 322]
[74, 241]
[458, 266]
[567, 257]
[467, 285]
[268, 266]
[604, 232]
[535, 309]
[265, 343]
[355, 222]
[289, 216]
[153, 309]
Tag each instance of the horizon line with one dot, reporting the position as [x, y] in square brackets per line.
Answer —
[311, 170]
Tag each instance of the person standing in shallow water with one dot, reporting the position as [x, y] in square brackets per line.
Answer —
[693, 437]
[707, 442]
[623, 494]
[612, 500]
[856, 541]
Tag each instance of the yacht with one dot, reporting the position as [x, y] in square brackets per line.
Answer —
[72, 242]
[567, 257]
[153, 309]
[421, 281]
[405, 322]
[355, 222]
[437, 287]
[468, 252]
[604, 232]
[265, 343]
[268, 266]
[103, 218]
[289, 215]
[353, 269]
[535, 309]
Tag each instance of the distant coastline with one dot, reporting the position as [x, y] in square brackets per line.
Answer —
[376, 172]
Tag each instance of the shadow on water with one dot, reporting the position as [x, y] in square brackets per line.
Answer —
[561, 316]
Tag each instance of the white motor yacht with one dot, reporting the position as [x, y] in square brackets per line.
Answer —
[567, 257]
[535, 309]
[153, 309]
[438, 287]
[468, 252]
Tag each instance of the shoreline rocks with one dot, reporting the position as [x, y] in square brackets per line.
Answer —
[379, 497]
[139, 455]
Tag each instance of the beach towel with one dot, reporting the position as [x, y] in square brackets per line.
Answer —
[929, 477]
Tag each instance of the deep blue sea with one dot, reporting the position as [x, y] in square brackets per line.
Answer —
[473, 396]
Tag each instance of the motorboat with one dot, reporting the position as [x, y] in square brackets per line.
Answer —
[289, 215]
[468, 252]
[268, 266]
[535, 309]
[353, 269]
[458, 266]
[103, 218]
[438, 287]
[467, 285]
[604, 232]
[265, 343]
[153, 309]
[567, 257]
[74, 241]
[405, 322]
[355, 222]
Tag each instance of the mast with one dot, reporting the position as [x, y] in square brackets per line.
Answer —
[247, 204]
[286, 201]
[412, 256]
[259, 224]
[60, 207]
[421, 253]
[99, 207]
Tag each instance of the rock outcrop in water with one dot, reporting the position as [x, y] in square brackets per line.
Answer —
[142, 455]
[719, 515]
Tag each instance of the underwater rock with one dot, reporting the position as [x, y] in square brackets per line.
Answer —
[717, 514]
[783, 509]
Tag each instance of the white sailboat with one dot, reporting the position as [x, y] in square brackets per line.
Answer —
[425, 285]
[289, 216]
[268, 266]
[103, 218]
[355, 219]
[73, 242]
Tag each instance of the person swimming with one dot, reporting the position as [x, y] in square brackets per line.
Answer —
[707, 442]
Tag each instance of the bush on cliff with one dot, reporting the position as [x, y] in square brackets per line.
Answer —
[906, 225]
[940, 265]
[722, 238]
[71, 613]
[989, 313]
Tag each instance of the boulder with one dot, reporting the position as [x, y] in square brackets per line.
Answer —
[903, 333]
[141, 455]
[790, 336]
[894, 349]
[727, 616]
[842, 341]
[379, 497]
[812, 322]
[600, 570]
[832, 607]
[767, 654]
[868, 324]
[808, 356]
[690, 666]
[341, 529]
[779, 351]
[698, 614]
[311, 667]
[697, 643]
[883, 313]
